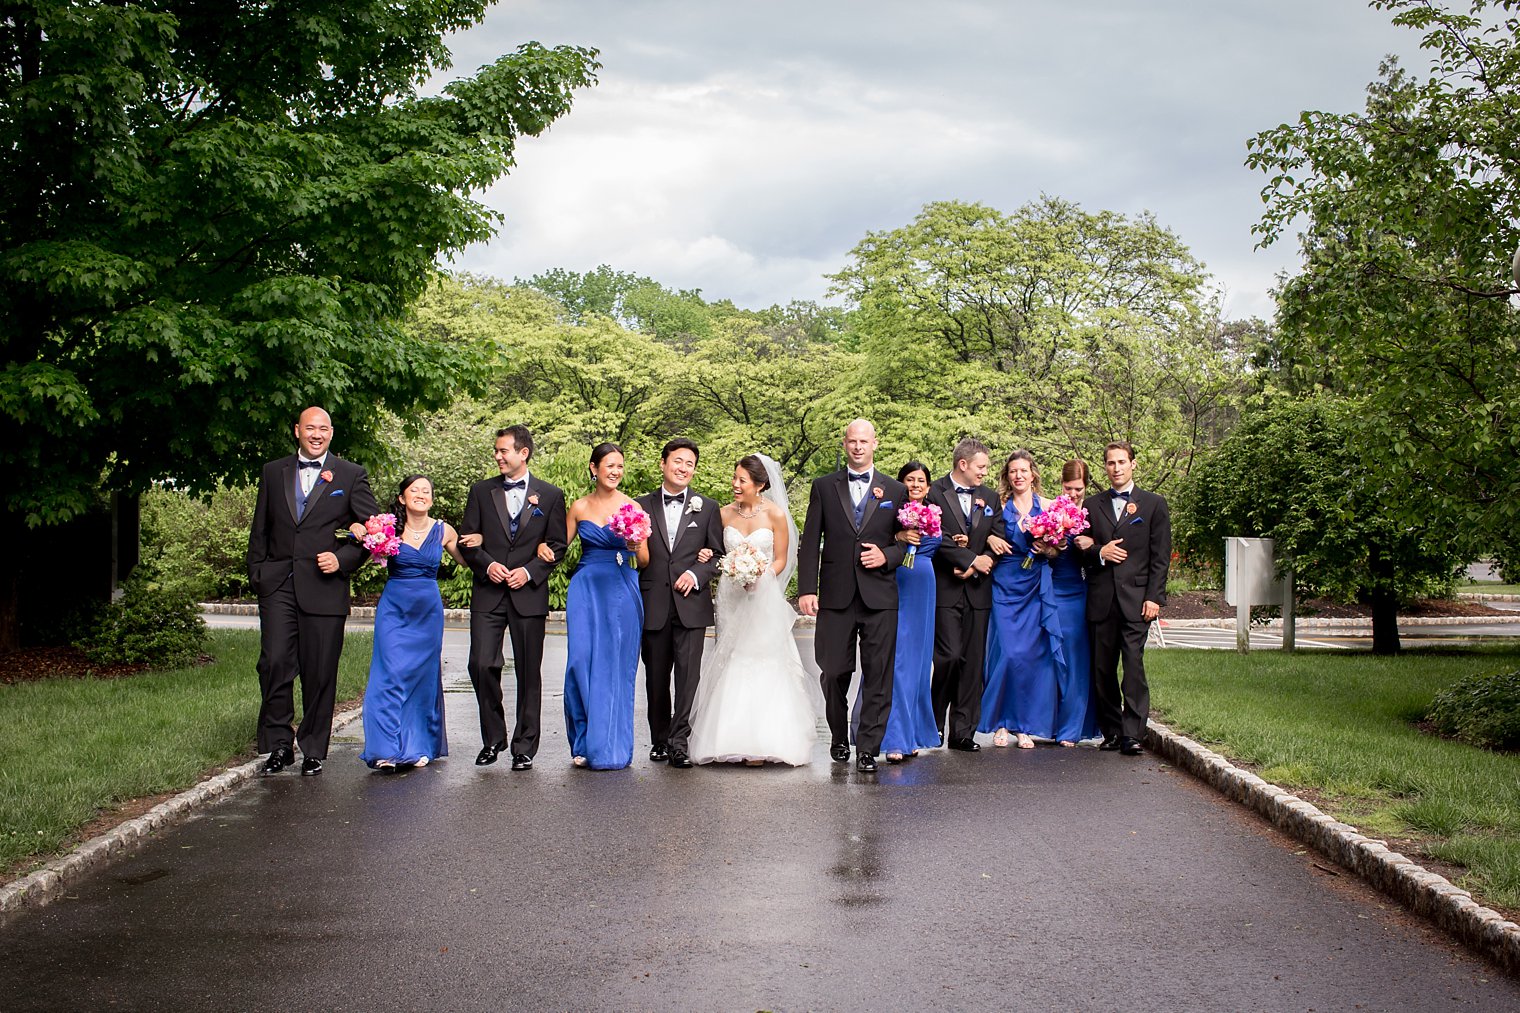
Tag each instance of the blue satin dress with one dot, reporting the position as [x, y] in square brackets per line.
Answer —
[1024, 640]
[403, 702]
[910, 723]
[604, 621]
[1076, 711]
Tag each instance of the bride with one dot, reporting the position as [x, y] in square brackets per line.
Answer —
[752, 703]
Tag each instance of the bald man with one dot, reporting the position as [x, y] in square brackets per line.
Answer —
[845, 562]
[300, 571]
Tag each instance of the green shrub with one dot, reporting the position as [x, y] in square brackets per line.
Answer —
[195, 544]
[1482, 710]
[149, 624]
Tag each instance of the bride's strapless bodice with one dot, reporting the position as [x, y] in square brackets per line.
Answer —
[763, 539]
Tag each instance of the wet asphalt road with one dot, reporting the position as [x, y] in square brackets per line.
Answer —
[1015, 879]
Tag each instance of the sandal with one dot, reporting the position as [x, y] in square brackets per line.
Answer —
[894, 757]
[579, 761]
[1068, 745]
[1025, 742]
[1000, 738]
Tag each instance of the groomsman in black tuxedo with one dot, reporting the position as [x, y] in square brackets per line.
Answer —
[1127, 568]
[973, 535]
[678, 605]
[515, 514]
[299, 570]
[851, 530]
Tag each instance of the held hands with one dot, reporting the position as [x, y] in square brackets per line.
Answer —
[517, 578]
[327, 562]
[496, 573]
[686, 583]
[1112, 553]
[872, 558]
[998, 546]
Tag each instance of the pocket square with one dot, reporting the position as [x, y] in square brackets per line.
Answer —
[1137, 520]
[336, 492]
[885, 504]
[692, 524]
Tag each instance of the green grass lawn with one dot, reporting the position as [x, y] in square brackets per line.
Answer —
[71, 748]
[1343, 724]
[1482, 588]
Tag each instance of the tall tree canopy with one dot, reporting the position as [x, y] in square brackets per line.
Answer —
[212, 215]
[1405, 303]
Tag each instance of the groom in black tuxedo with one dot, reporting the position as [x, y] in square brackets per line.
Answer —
[678, 605]
[299, 570]
[1127, 568]
[852, 525]
[972, 519]
[514, 513]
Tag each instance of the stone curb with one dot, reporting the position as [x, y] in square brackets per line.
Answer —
[48, 883]
[1421, 891]
[1485, 596]
[463, 616]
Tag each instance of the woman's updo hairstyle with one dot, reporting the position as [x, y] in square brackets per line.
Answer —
[755, 469]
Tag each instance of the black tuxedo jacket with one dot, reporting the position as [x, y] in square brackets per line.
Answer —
[701, 527]
[986, 519]
[828, 558]
[281, 548]
[1146, 527]
[540, 523]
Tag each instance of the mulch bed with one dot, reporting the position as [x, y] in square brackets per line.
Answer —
[1211, 605]
[34, 663]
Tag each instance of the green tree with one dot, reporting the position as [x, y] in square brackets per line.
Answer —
[212, 217]
[1294, 471]
[1405, 303]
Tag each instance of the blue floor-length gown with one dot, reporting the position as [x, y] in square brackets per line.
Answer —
[910, 723]
[604, 621]
[403, 702]
[1024, 641]
[1076, 712]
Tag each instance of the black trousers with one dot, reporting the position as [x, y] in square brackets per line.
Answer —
[960, 668]
[672, 649]
[486, 661]
[834, 641]
[293, 642]
[1123, 705]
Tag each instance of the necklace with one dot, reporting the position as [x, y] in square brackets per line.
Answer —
[412, 532]
[740, 511]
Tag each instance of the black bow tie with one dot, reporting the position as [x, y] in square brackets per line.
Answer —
[521, 483]
[860, 478]
[308, 464]
[678, 497]
[962, 491]
[1123, 495]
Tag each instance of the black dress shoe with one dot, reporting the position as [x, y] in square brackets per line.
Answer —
[840, 752]
[678, 758]
[966, 745]
[1129, 746]
[865, 763]
[488, 755]
[279, 759]
[658, 753]
[310, 766]
[521, 762]
[1109, 743]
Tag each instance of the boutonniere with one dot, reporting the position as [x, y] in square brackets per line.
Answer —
[695, 506]
[533, 502]
[876, 493]
[326, 476]
[1130, 509]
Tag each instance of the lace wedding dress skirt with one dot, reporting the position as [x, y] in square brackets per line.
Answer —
[752, 702]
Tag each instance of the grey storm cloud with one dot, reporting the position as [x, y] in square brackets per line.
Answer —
[743, 149]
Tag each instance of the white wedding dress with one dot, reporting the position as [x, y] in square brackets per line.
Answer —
[752, 702]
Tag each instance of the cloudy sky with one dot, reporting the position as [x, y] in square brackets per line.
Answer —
[744, 148]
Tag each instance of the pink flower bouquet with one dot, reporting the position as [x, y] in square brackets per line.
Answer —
[380, 538]
[630, 523]
[1062, 519]
[921, 517]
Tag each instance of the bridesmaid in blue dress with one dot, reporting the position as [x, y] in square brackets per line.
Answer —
[1024, 641]
[1076, 713]
[910, 723]
[604, 623]
[403, 701]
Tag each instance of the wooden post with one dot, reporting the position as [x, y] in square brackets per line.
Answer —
[1289, 633]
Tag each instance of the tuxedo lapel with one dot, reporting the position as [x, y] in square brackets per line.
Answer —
[871, 501]
[499, 501]
[842, 481]
[288, 479]
[656, 511]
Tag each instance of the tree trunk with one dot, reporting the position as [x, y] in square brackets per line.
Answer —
[1385, 622]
